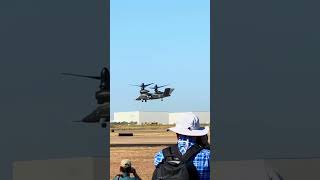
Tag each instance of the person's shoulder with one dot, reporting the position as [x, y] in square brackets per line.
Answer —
[203, 158]
[204, 153]
[116, 177]
[159, 153]
[158, 158]
[123, 178]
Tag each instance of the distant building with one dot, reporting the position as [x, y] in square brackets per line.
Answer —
[148, 117]
[203, 116]
[88, 168]
[142, 117]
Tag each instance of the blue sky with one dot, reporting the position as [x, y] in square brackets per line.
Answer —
[164, 42]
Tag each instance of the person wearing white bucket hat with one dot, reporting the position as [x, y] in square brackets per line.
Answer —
[189, 124]
[187, 149]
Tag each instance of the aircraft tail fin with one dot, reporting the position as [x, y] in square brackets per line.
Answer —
[167, 92]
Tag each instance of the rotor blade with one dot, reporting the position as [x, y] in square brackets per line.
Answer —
[140, 85]
[163, 86]
[79, 75]
[159, 86]
[147, 85]
[135, 85]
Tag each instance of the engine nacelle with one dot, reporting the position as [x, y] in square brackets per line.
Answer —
[144, 91]
[102, 97]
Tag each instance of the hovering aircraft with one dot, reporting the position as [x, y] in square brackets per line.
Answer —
[102, 95]
[146, 95]
[143, 86]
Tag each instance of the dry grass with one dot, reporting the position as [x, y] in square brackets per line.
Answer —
[139, 127]
[141, 158]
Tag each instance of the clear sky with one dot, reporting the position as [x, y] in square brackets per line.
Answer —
[164, 42]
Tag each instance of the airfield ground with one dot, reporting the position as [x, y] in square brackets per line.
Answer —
[139, 148]
[141, 157]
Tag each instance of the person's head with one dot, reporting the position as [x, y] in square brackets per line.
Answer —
[200, 140]
[125, 166]
[181, 136]
[188, 124]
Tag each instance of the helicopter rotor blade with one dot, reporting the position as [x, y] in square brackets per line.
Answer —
[85, 76]
[159, 86]
[163, 86]
[135, 85]
[148, 84]
[141, 85]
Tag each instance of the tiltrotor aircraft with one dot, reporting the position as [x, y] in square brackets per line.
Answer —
[146, 95]
[101, 113]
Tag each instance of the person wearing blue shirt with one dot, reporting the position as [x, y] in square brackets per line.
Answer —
[189, 133]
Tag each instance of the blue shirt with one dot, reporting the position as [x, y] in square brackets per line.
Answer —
[201, 160]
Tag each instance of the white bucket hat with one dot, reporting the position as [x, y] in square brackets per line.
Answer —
[188, 124]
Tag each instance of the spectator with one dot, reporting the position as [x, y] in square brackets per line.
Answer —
[192, 146]
[125, 170]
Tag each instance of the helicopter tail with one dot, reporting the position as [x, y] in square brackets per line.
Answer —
[167, 92]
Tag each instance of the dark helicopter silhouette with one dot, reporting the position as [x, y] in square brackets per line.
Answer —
[101, 113]
[156, 91]
[143, 86]
[146, 95]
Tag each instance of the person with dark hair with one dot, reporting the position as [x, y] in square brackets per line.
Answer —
[126, 169]
[189, 159]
